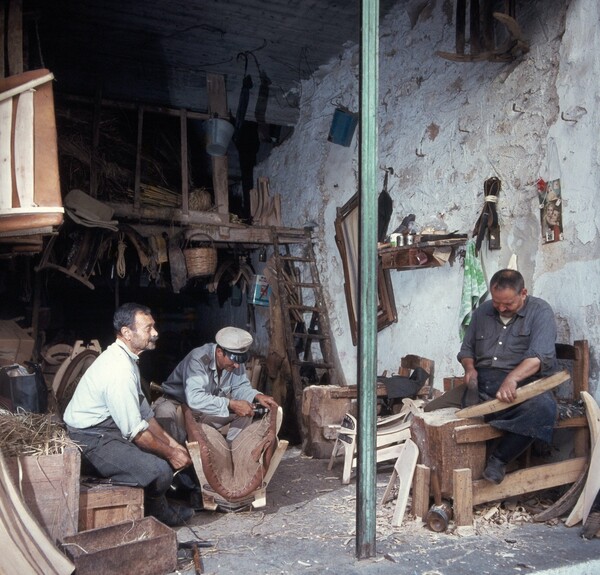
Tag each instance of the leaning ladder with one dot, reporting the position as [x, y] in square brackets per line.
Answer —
[305, 318]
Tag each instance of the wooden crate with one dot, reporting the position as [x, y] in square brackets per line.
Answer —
[103, 505]
[144, 547]
[49, 485]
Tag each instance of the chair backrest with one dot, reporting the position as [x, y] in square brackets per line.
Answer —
[578, 355]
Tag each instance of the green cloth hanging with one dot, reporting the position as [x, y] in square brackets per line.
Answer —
[474, 288]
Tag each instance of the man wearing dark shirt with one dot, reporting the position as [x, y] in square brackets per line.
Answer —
[510, 342]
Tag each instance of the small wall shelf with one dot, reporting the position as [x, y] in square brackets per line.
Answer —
[423, 254]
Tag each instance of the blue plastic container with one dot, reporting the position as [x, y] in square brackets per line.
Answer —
[343, 126]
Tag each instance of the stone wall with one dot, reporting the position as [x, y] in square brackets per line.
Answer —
[444, 128]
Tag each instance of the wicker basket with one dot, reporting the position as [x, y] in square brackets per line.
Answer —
[200, 260]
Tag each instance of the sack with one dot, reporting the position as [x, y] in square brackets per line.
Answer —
[24, 387]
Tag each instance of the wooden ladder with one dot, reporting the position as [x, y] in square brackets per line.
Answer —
[305, 318]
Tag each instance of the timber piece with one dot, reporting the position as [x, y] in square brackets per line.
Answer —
[462, 497]
[524, 393]
[529, 480]
[476, 432]
[592, 412]
[433, 432]
[26, 547]
[24, 150]
[138, 158]
[217, 107]
[420, 491]
[565, 503]
[144, 547]
[184, 163]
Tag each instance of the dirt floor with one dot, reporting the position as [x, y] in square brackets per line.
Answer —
[308, 526]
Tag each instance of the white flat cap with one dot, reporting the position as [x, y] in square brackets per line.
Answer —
[236, 342]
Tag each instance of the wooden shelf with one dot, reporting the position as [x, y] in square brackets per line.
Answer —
[420, 255]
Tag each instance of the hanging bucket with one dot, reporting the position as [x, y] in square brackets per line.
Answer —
[342, 127]
[219, 133]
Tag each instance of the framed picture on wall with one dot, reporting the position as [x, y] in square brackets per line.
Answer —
[346, 237]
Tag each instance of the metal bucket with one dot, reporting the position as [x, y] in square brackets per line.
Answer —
[219, 133]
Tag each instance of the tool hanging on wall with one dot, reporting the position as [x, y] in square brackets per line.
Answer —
[385, 208]
[488, 219]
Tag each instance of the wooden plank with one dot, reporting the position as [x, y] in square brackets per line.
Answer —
[15, 37]
[420, 491]
[217, 105]
[184, 164]
[524, 393]
[529, 480]
[592, 485]
[462, 497]
[474, 27]
[47, 181]
[476, 432]
[565, 503]
[592, 413]
[23, 149]
[5, 155]
[138, 159]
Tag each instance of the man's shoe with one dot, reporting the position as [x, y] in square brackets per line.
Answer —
[183, 512]
[171, 515]
[494, 471]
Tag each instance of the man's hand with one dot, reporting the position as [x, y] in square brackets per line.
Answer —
[507, 392]
[471, 396]
[267, 401]
[180, 458]
[241, 407]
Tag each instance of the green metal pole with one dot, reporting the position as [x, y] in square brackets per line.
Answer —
[367, 340]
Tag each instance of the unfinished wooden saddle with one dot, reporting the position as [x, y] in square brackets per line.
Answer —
[235, 475]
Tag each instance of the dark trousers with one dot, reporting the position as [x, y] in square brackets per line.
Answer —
[114, 457]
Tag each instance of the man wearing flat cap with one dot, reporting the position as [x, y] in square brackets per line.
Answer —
[211, 380]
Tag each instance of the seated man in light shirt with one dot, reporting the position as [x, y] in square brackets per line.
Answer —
[110, 418]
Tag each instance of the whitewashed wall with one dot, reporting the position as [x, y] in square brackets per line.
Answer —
[444, 128]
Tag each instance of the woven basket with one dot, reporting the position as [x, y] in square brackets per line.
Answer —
[200, 260]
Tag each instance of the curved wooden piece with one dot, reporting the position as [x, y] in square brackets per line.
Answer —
[592, 412]
[524, 393]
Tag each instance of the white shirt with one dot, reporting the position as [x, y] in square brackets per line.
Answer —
[111, 387]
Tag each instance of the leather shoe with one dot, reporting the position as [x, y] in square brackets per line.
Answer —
[495, 470]
[169, 514]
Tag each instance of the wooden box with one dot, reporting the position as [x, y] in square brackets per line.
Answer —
[103, 505]
[50, 488]
[144, 547]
